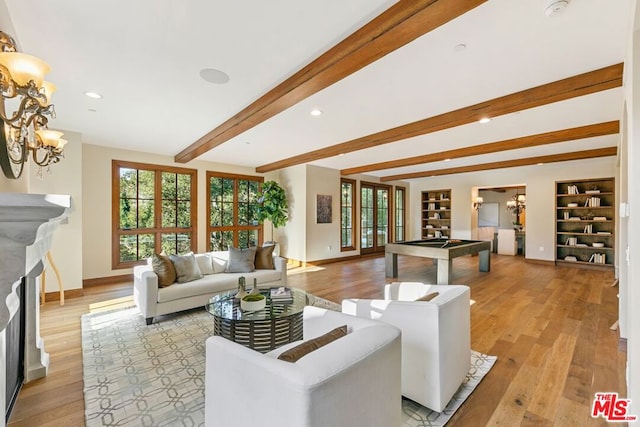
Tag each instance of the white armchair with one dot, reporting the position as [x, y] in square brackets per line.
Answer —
[353, 381]
[436, 337]
[507, 244]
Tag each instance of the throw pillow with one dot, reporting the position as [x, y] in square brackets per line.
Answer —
[264, 258]
[241, 260]
[186, 267]
[428, 297]
[164, 269]
[204, 263]
[296, 353]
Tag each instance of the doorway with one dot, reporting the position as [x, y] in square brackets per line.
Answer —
[374, 217]
[503, 208]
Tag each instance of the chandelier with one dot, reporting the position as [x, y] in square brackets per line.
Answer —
[25, 111]
[517, 204]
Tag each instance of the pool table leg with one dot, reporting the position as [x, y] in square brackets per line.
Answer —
[485, 261]
[445, 267]
[390, 265]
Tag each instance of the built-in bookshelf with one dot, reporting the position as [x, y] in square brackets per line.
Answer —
[436, 214]
[585, 222]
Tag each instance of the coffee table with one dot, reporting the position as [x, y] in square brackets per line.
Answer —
[263, 330]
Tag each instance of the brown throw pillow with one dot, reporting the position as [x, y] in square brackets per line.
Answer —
[164, 269]
[428, 297]
[296, 353]
[264, 258]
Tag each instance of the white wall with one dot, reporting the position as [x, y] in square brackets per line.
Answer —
[323, 240]
[65, 177]
[505, 217]
[96, 179]
[292, 237]
[632, 98]
[540, 187]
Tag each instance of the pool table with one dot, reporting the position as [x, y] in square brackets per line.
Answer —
[443, 251]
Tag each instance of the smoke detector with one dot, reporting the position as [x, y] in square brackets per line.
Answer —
[553, 7]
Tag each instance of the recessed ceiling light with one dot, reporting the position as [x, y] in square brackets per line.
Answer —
[94, 95]
[447, 160]
[316, 112]
[460, 47]
[540, 164]
[212, 75]
[341, 154]
[553, 7]
[484, 120]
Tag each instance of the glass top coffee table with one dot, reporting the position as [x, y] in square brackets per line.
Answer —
[263, 330]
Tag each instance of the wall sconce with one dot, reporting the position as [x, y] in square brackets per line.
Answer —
[478, 203]
[23, 90]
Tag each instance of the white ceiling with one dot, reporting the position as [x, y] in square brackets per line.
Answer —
[145, 56]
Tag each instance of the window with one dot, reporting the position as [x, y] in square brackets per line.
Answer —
[347, 212]
[232, 211]
[399, 212]
[153, 211]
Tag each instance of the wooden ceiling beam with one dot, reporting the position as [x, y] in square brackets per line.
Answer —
[577, 155]
[571, 87]
[572, 134]
[402, 23]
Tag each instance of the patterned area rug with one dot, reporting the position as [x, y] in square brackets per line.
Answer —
[139, 375]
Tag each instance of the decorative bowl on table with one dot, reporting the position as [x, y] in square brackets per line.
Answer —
[253, 302]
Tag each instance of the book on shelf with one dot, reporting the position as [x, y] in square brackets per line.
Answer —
[572, 189]
[598, 258]
[592, 192]
[599, 218]
[608, 233]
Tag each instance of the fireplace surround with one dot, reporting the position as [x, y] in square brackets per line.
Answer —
[27, 224]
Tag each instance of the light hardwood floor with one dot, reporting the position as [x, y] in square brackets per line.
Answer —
[548, 326]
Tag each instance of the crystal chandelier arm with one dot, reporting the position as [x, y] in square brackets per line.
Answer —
[7, 85]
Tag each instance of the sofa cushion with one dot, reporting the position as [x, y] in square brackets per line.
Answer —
[219, 260]
[204, 263]
[241, 260]
[296, 353]
[164, 269]
[264, 258]
[212, 283]
[186, 267]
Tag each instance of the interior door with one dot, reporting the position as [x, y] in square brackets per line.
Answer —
[374, 217]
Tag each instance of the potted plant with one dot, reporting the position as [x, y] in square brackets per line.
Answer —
[273, 205]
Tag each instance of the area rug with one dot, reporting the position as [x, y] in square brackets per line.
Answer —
[139, 375]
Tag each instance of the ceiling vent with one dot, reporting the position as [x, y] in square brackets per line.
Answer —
[553, 7]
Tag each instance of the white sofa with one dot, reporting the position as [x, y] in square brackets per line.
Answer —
[436, 337]
[353, 381]
[153, 301]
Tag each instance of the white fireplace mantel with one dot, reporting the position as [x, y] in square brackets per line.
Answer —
[27, 223]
